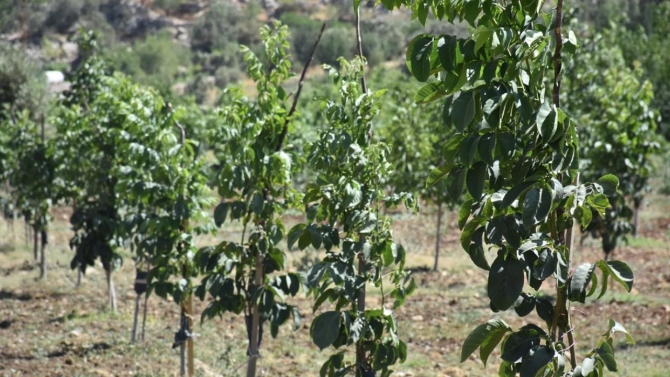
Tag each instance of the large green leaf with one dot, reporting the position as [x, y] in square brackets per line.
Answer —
[514, 193]
[463, 112]
[536, 206]
[475, 179]
[606, 354]
[536, 360]
[486, 335]
[620, 271]
[468, 150]
[325, 329]
[438, 173]
[518, 344]
[430, 92]
[505, 281]
[456, 181]
[469, 230]
[609, 183]
[220, 213]
[418, 56]
[452, 148]
[449, 53]
[579, 281]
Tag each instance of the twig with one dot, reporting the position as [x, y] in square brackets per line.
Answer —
[284, 130]
[359, 46]
[557, 53]
[182, 133]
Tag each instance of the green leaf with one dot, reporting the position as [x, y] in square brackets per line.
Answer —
[325, 329]
[452, 147]
[490, 333]
[505, 281]
[305, 240]
[615, 327]
[517, 344]
[418, 56]
[464, 213]
[579, 282]
[524, 305]
[469, 230]
[468, 149]
[475, 179]
[609, 183]
[487, 147]
[463, 112]
[438, 173]
[476, 251]
[514, 193]
[583, 215]
[294, 234]
[430, 92]
[536, 206]
[606, 354]
[455, 182]
[545, 265]
[536, 360]
[549, 126]
[449, 53]
[620, 271]
[220, 213]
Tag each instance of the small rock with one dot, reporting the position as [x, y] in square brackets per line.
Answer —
[417, 318]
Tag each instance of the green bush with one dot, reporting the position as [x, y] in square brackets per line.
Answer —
[155, 61]
[22, 83]
[336, 42]
[224, 26]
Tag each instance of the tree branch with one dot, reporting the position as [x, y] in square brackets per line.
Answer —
[557, 53]
[359, 46]
[284, 131]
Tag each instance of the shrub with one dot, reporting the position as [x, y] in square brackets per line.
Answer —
[156, 61]
[22, 84]
[336, 42]
[224, 26]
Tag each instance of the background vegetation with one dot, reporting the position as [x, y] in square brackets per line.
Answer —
[187, 54]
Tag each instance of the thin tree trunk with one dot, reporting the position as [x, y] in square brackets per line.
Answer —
[110, 287]
[13, 228]
[636, 219]
[361, 363]
[182, 357]
[190, 347]
[79, 273]
[43, 256]
[437, 236]
[133, 335]
[36, 247]
[144, 315]
[255, 320]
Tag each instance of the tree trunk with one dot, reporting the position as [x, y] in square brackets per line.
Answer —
[636, 218]
[437, 236]
[43, 256]
[144, 315]
[360, 307]
[182, 357]
[13, 228]
[110, 287]
[79, 273]
[190, 347]
[256, 319]
[36, 247]
[133, 335]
